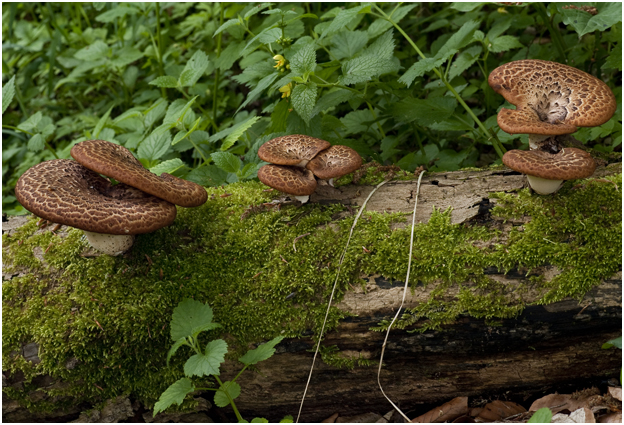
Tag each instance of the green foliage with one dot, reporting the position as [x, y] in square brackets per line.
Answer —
[541, 416]
[401, 84]
[190, 318]
[617, 342]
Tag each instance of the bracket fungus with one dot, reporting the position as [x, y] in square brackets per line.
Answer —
[551, 99]
[297, 149]
[545, 171]
[295, 181]
[63, 191]
[335, 161]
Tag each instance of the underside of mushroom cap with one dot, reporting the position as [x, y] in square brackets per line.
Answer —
[526, 121]
[65, 192]
[569, 163]
[296, 149]
[118, 162]
[336, 161]
[557, 93]
[288, 179]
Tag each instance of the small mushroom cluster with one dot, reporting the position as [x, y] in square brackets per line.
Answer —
[75, 194]
[297, 159]
[551, 100]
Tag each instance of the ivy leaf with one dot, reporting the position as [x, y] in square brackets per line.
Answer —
[36, 143]
[303, 100]
[226, 161]
[261, 353]
[165, 81]
[304, 61]
[188, 315]
[168, 166]
[194, 69]
[174, 394]
[155, 146]
[208, 363]
[232, 388]
[424, 111]
[504, 43]
[8, 91]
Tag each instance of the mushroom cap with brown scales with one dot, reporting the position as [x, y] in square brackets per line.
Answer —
[334, 162]
[296, 149]
[288, 179]
[118, 162]
[567, 164]
[550, 98]
[63, 191]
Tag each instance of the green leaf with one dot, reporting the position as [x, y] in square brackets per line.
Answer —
[256, 9]
[460, 39]
[168, 166]
[174, 394]
[95, 51]
[344, 17]
[383, 47]
[450, 160]
[617, 342]
[332, 99]
[357, 121]
[266, 36]
[381, 25]
[304, 61]
[419, 68]
[259, 421]
[261, 353]
[235, 132]
[165, 81]
[614, 61]
[100, 124]
[208, 363]
[36, 143]
[8, 91]
[362, 68]
[188, 315]
[279, 116]
[504, 43]
[257, 91]
[303, 100]
[31, 122]
[584, 23]
[348, 43]
[288, 419]
[194, 69]
[229, 55]
[465, 6]
[226, 25]
[155, 146]
[179, 343]
[126, 56]
[232, 388]
[155, 112]
[209, 175]
[116, 12]
[542, 416]
[226, 161]
[464, 61]
[424, 111]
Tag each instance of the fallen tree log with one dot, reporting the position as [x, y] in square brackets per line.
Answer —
[509, 292]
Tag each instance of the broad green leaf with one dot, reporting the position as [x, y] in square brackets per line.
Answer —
[259, 421]
[229, 55]
[450, 160]
[419, 68]
[500, 27]
[31, 122]
[126, 56]
[504, 43]
[232, 388]
[194, 69]
[174, 348]
[8, 91]
[208, 363]
[266, 36]
[383, 47]
[465, 6]
[155, 146]
[288, 419]
[95, 51]
[226, 25]
[584, 23]
[36, 143]
[614, 61]
[166, 81]
[304, 61]
[209, 175]
[156, 112]
[464, 61]
[116, 12]
[424, 111]
[181, 135]
[226, 161]
[541, 416]
[344, 17]
[237, 131]
[332, 99]
[189, 314]
[363, 68]
[256, 9]
[379, 26]
[261, 353]
[357, 121]
[168, 166]
[174, 394]
[101, 122]
[257, 91]
[387, 147]
[303, 100]
[460, 39]
[348, 43]
[617, 342]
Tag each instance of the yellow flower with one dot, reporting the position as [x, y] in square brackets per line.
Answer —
[286, 90]
[502, 10]
[280, 61]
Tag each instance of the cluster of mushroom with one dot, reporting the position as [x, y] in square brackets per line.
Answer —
[74, 194]
[297, 159]
[551, 100]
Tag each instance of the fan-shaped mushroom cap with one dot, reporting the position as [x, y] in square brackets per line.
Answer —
[65, 192]
[569, 163]
[118, 162]
[550, 98]
[336, 161]
[296, 149]
[292, 180]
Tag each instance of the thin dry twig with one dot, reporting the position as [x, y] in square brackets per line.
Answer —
[297, 238]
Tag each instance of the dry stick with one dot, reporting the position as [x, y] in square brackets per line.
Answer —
[331, 297]
[409, 266]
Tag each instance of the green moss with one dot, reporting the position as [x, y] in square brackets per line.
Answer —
[112, 313]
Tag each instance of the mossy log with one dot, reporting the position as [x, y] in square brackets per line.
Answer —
[509, 291]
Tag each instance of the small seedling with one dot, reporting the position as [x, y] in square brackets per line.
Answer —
[190, 318]
[542, 416]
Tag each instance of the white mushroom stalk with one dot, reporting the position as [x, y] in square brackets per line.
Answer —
[110, 244]
[544, 186]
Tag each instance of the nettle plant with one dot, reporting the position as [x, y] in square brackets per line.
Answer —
[194, 89]
[190, 319]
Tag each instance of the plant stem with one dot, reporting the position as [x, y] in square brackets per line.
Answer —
[370, 107]
[161, 68]
[216, 82]
[554, 32]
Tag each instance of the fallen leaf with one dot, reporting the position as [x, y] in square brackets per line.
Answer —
[498, 410]
[579, 416]
[331, 419]
[616, 392]
[611, 418]
[558, 402]
[447, 412]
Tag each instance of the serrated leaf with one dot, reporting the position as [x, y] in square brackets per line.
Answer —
[226, 25]
[332, 99]
[194, 69]
[228, 56]
[346, 43]
[504, 43]
[614, 61]
[464, 61]
[168, 166]
[8, 91]
[460, 39]
[261, 353]
[116, 12]
[303, 100]
[363, 68]
[424, 111]
[379, 26]
[95, 51]
[465, 6]
[450, 160]
[419, 68]
[304, 61]
[209, 175]
[174, 348]
[266, 36]
[36, 143]
[188, 315]
[584, 23]
[155, 146]
[257, 91]
[31, 122]
[126, 56]
[100, 124]
[357, 121]
[226, 161]
[344, 17]
[232, 388]
[237, 131]
[174, 394]
[181, 135]
[156, 112]
[208, 363]
[165, 81]
[383, 47]
[256, 9]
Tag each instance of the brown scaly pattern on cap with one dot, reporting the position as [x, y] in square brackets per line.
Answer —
[335, 161]
[118, 162]
[562, 97]
[569, 163]
[291, 150]
[292, 180]
[65, 192]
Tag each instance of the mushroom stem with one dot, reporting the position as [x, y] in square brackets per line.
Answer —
[535, 140]
[544, 186]
[303, 199]
[110, 244]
